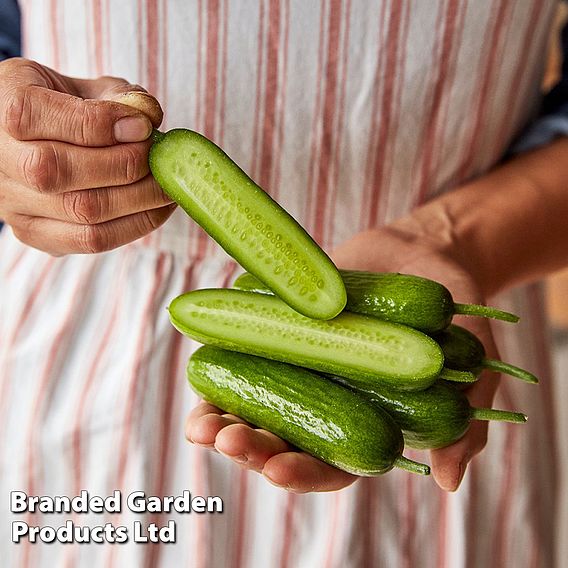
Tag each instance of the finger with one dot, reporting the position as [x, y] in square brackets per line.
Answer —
[118, 90]
[204, 430]
[249, 447]
[33, 112]
[449, 464]
[88, 206]
[55, 167]
[301, 473]
[59, 237]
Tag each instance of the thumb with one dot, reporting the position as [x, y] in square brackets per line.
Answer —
[90, 114]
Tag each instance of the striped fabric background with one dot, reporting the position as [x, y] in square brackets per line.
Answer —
[350, 113]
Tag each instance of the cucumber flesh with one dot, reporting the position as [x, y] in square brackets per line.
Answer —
[318, 416]
[365, 349]
[247, 222]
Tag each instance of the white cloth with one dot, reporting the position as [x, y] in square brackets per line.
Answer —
[350, 113]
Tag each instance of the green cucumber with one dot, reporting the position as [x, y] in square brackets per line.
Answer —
[246, 222]
[367, 350]
[401, 298]
[464, 352]
[314, 414]
[435, 417]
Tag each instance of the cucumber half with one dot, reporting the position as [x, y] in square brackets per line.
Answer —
[364, 349]
[247, 222]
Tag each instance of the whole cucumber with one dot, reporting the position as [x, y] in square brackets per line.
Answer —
[401, 298]
[246, 222]
[367, 350]
[464, 352]
[435, 417]
[314, 414]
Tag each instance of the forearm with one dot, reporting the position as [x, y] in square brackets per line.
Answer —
[508, 226]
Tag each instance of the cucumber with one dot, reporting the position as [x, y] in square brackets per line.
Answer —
[401, 298]
[435, 417]
[464, 352]
[314, 414]
[246, 222]
[367, 350]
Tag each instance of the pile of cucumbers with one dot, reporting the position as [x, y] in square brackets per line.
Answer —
[348, 366]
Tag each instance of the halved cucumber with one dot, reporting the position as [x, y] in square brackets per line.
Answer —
[365, 349]
[247, 222]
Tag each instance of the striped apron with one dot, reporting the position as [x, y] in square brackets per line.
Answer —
[350, 113]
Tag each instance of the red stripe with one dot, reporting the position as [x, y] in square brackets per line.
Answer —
[331, 559]
[198, 79]
[394, 130]
[275, 189]
[16, 261]
[164, 458]
[258, 94]
[19, 327]
[429, 141]
[98, 36]
[82, 414]
[368, 501]
[437, 147]
[54, 29]
[409, 516]
[270, 90]
[475, 511]
[33, 467]
[141, 44]
[333, 191]
[135, 389]
[242, 519]
[326, 140]
[224, 51]
[487, 80]
[392, 53]
[442, 529]
[288, 533]
[501, 534]
[211, 66]
[315, 119]
[513, 98]
[373, 140]
[152, 47]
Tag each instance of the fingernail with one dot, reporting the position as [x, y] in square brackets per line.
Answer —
[132, 129]
[240, 459]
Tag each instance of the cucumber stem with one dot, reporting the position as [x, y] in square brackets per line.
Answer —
[508, 369]
[157, 135]
[485, 312]
[457, 376]
[500, 415]
[412, 466]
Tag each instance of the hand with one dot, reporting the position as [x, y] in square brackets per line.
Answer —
[392, 249]
[74, 174]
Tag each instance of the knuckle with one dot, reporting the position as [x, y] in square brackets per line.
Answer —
[149, 221]
[17, 111]
[133, 164]
[87, 118]
[92, 239]
[40, 168]
[84, 207]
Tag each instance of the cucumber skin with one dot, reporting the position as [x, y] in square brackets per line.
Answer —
[429, 419]
[314, 414]
[410, 300]
[462, 350]
[312, 286]
[194, 311]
